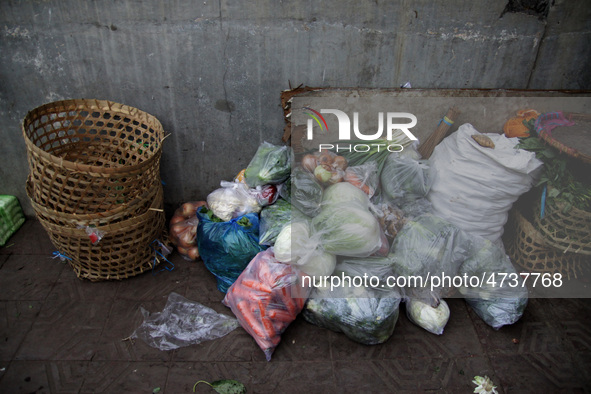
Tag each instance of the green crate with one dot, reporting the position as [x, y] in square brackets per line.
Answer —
[11, 217]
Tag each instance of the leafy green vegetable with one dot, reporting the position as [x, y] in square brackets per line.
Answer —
[378, 149]
[344, 192]
[405, 178]
[225, 386]
[209, 213]
[273, 218]
[306, 192]
[270, 165]
[366, 315]
[565, 186]
[496, 303]
[347, 229]
[427, 245]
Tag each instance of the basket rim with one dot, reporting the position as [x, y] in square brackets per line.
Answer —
[96, 104]
[110, 215]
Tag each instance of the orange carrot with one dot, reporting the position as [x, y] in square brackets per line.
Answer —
[354, 179]
[256, 285]
[280, 315]
[250, 320]
[268, 326]
[287, 301]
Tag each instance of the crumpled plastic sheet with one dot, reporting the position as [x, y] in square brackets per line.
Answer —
[182, 323]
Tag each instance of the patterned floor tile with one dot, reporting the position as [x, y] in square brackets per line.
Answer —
[16, 319]
[3, 259]
[69, 286]
[25, 277]
[125, 377]
[150, 286]
[410, 374]
[26, 377]
[537, 331]
[258, 377]
[548, 372]
[65, 330]
[124, 318]
[30, 239]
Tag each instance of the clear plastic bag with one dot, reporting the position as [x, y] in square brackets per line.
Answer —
[365, 313]
[295, 246]
[227, 247]
[364, 176]
[271, 164]
[425, 315]
[272, 220]
[183, 229]
[266, 298]
[347, 229]
[305, 192]
[391, 218]
[232, 200]
[405, 178]
[427, 246]
[182, 323]
[502, 298]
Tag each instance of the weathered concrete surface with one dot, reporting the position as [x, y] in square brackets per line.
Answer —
[212, 71]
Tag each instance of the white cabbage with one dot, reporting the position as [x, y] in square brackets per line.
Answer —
[427, 317]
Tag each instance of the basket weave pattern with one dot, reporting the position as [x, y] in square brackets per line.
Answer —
[88, 156]
[97, 163]
[529, 250]
[569, 231]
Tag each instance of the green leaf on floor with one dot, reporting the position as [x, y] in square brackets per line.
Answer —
[225, 386]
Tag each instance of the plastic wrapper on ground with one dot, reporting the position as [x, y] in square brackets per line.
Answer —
[182, 323]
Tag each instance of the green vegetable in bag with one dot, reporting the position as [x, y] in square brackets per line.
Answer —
[227, 247]
[306, 192]
[366, 315]
[347, 229]
[496, 303]
[273, 219]
[270, 165]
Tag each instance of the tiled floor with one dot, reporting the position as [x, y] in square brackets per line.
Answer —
[59, 334]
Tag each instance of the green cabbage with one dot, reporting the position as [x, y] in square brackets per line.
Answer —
[347, 229]
[344, 192]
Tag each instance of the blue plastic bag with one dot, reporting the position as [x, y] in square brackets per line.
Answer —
[227, 247]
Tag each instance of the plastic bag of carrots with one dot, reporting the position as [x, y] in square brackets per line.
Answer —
[266, 298]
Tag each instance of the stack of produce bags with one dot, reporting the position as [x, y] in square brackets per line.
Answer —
[284, 229]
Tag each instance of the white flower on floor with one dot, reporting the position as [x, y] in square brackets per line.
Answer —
[484, 385]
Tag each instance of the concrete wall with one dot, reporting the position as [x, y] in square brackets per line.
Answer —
[212, 71]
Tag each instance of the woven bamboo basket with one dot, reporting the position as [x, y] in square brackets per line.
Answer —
[126, 249]
[528, 250]
[122, 212]
[569, 231]
[90, 156]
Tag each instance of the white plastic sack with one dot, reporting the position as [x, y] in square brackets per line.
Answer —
[474, 187]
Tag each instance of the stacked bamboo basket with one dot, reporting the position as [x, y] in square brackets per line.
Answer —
[560, 240]
[95, 169]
